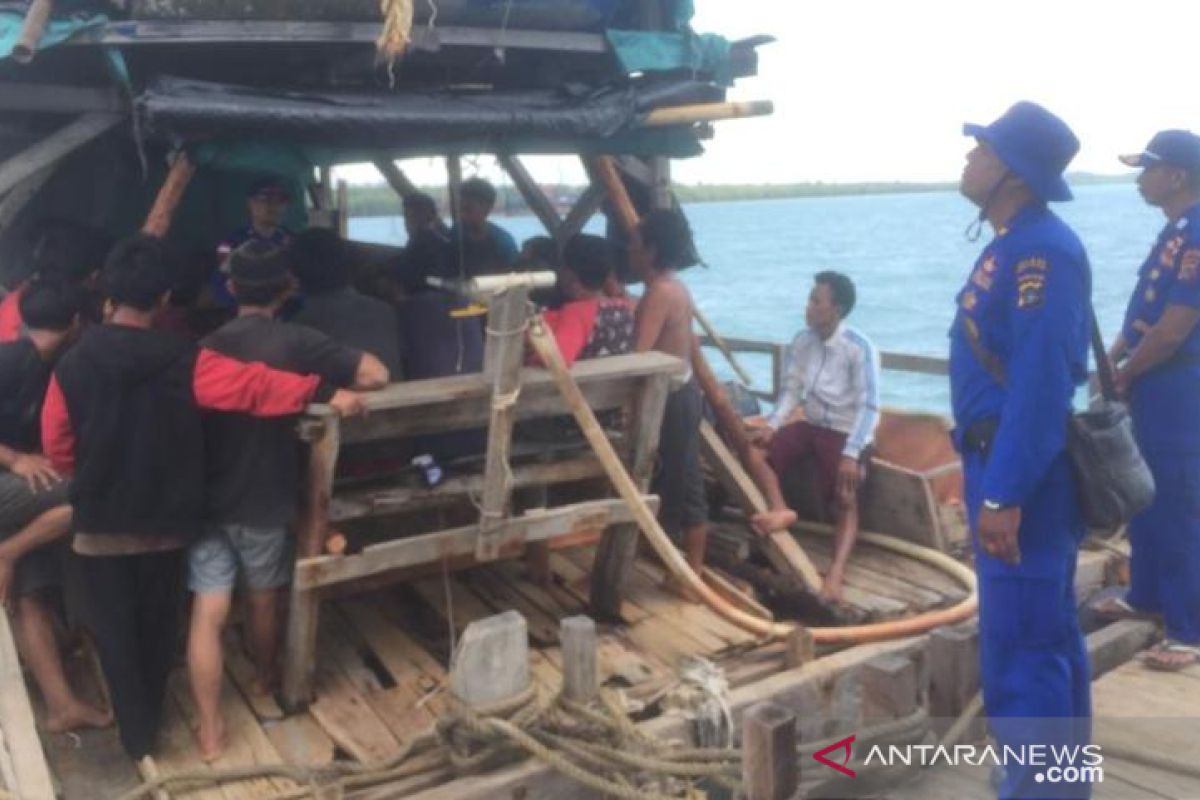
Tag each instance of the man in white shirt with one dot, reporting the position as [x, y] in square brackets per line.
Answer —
[832, 372]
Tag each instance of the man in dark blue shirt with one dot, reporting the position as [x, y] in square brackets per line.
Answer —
[1018, 349]
[1160, 347]
[480, 247]
[267, 203]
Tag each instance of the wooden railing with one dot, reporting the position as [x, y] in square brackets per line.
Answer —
[898, 362]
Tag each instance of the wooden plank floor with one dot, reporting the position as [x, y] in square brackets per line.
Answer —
[381, 671]
[1139, 714]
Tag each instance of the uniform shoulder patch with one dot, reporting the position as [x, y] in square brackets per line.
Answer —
[1031, 281]
[1189, 265]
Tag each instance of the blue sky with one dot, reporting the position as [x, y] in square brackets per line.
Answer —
[878, 89]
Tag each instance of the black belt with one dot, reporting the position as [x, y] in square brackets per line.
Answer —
[979, 435]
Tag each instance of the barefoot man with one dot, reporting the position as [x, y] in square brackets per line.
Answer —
[663, 322]
[832, 371]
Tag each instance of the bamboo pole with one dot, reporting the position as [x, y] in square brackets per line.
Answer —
[605, 171]
[36, 19]
[158, 221]
[707, 112]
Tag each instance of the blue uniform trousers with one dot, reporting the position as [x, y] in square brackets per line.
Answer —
[1033, 662]
[1165, 566]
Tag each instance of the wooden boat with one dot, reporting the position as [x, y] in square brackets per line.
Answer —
[373, 630]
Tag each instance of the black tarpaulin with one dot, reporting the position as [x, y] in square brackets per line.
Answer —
[188, 110]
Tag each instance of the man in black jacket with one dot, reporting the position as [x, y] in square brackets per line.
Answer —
[122, 413]
[34, 513]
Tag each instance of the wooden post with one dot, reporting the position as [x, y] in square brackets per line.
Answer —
[890, 687]
[617, 550]
[50, 149]
[769, 761]
[323, 436]
[800, 648]
[18, 731]
[343, 209]
[954, 673]
[20, 195]
[454, 185]
[578, 638]
[535, 198]
[660, 170]
[780, 548]
[491, 662]
[583, 210]
[158, 221]
[503, 357]
[395, 177]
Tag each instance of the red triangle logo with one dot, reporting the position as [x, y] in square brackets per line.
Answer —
[844, 744]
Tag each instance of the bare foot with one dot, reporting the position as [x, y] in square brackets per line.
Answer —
[768, 522]
[832, 591]
[77, 715]
[211, 740]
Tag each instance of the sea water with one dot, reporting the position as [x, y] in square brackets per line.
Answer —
[907, 253]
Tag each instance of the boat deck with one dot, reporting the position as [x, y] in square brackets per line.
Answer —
[1139, 715]
[381, 664]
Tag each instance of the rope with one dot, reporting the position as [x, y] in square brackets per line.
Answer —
[397, 29]
[597, 746]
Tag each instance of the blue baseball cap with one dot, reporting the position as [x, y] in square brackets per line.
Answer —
[1175, 147]
[1034, 144]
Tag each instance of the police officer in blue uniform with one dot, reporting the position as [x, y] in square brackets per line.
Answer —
[1018, 350]
[1160, 345]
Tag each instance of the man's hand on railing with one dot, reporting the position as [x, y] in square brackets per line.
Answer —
[347, 403]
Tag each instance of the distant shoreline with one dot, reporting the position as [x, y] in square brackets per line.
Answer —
[378, 200]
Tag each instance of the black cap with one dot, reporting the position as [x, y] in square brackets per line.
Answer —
[1175, 147]
[269, 185]
[258, 263]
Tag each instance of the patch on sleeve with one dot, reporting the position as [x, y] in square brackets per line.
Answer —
[1189, 265]
[1031, 282]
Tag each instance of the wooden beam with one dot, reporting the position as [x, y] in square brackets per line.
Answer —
[584, 209]
[54, 147]
[707, 112]
[57, 98]
[769, 763]
[535, 198]
[784, 553]
[395, 177]
[17, 727]
[454, 179]
[301, 636]
[20, 195]
[429, 38]
[660, 169]
[533, 526]
[170, 195]
[462, 402]
[350, 506]
[618, 548]
[505, 351]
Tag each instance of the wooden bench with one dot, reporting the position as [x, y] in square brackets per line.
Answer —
[504, 393]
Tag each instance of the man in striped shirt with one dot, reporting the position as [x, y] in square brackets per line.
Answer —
[832, 372]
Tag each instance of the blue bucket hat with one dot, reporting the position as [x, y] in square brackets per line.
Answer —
[1034, 144]
[1175, 147]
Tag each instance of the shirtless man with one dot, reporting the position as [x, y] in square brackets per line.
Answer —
[663, 322]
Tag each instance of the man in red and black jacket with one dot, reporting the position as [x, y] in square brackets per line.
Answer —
[123, 414]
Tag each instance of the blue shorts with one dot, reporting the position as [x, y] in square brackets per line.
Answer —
[261, 556]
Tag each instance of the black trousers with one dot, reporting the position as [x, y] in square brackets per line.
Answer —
[133, 607]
